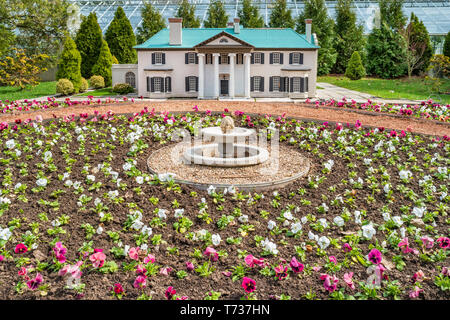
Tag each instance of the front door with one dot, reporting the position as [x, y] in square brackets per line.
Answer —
[224, 87]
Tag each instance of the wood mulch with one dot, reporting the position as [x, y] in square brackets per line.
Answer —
[273, 108]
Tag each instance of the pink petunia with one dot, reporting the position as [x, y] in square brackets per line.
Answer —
[329, 282]
[444, 242]
[348, 279]
[97, 259]
[170, 292]
[375, 256]
[189, 266]
[404, 244]
[140, 281]
[248, 284]
[165, 271]
[133, 253]
[418, 276]
[296, 266]
[281, 272]
[211, 253]
[34, 283]
[414, 294]
[149, 259]
[251, 261]
[427, 242]
[21, 248]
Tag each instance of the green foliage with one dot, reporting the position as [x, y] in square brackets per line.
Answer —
[281, 16]
[391, 13]
[385, 53]
[69, 65]
[250, 16]
[97, 82]
[152, 22]
[89, 41]
[323, 27]
[21, 70]
[121, 39]
[104, 64]
[446, 50]
[123, 88]
[187, 12]
[84, 85]
[216, 16]
[419, 44]
[65, 87]
[349, 36]
[114, 60]
[355, 69]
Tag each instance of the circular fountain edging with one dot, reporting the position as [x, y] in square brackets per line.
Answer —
[292, 166]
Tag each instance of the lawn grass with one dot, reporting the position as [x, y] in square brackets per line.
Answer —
[104, 92]
[404, 88]
[14, 93]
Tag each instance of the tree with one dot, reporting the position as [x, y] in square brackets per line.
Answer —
[23, 22]
[152, 22]
[250, 16]
[281, 16]
[323, 27]
[69, 66]
[446, 50]
[187, 12]
[121, 38]
[355, 69]
[391, 13]
[89, 41]
[349, 36]
[104, 64]
[418, 46]
[20, 70]
[385, 53]
[216, 17]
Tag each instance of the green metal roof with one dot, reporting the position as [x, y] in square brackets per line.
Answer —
[259, 38]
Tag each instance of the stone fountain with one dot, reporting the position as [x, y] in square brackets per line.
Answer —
[229, 147]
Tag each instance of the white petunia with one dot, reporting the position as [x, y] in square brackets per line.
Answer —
[10, 144]
[368, 231]
[215, 238]
[323, 242]
[127, 166]
[162, 213]
[269, 246]
[99, 230]
[405, 174]
[42, 182]
[419, 211]
[296, 227]
[288, 215]
[358, 217]
[178, 213]
[271, 224]
[91, 178]
[397, 220]
[146, 231]
[243, 218]
[140, 180]
[339, 221]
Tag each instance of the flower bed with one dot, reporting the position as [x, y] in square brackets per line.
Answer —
[81, 217]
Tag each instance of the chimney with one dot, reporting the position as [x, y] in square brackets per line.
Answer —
[175, 31]
[237, 28]
[308, 25]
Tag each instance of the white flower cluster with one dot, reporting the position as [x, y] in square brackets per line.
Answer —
[269, 246]
[5, 234]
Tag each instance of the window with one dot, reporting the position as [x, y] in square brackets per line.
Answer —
[276, 57]
[157, 84]
[276, 83]
[191, 58]
[258, 57]
[296, 84]
[158, 58]
[209, 58]
[130, 78]
[297, 58]
[239, 58]
[224, 59]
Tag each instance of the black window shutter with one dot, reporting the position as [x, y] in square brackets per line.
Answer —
[187, 83]
[252, 59]
[302, 84]
[282, 84]
[291, 85]
[262, 57]
[186, 58]
[163, 87]
[152, 84]
[271, 84]
[167, 84]
[306, 84]
[271, 58]
[196, 84]
[148, 84]
[196, 58]
[301, 58]
[252, 84]
[153, 58]
[281, 57]
[220, 59]
[163, 58]
[290, 58]
[261, 87]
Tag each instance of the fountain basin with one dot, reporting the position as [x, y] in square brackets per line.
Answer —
[239, 156]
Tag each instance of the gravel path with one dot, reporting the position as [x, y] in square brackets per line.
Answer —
[273, 108]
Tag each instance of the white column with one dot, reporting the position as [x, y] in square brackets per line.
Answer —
[231, 81]
[201, 75]
[247, 74]
[216, 74]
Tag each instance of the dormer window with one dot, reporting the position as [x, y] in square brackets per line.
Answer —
[296, 58]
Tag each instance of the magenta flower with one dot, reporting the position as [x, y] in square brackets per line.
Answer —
[182, 298]
[418, 276]
[329, 282]
[60, 251]
[281, 272]
[133, 253]
[211, 253]
[296, 266]
[1, 258]
[415, 292]
[189, 266]
[375, 256]
[141, 269]
[34, 283]
[332, 259]
[74, 270]
[248, 284]
[251, 261]
[140, 282]
[21, 248]
[97, 259]
[346, 247]
[149, 259]
[348, 279]
[165, 271]
[427, 242]
[170, 292]
[118, 289]
[444, 242]
[404, 244]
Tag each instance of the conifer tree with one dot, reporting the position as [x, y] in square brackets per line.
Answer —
[89, 41]
[323, 27]
[419, 43]
[250, 16]
[349, 36]
[121, 39]
[446, 50]
[355, 69]
[216, 16]
[281, 16]
[69, 65]
[152, 23]
[187, 12]
[391, 13]
[104, 64]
